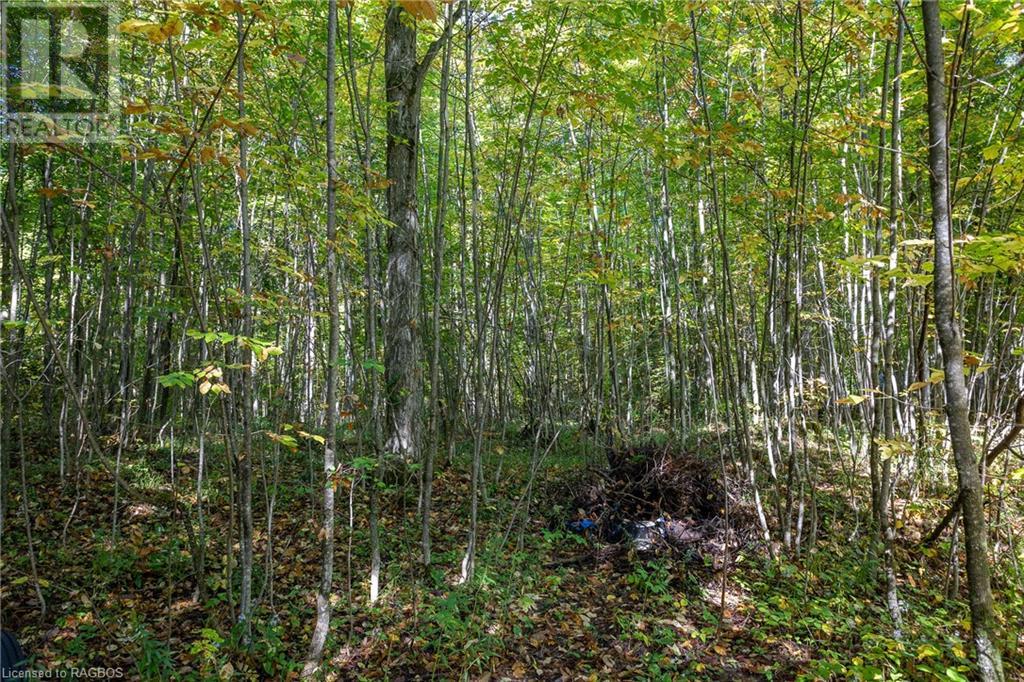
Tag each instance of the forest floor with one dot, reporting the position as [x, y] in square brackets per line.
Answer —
[546, 604]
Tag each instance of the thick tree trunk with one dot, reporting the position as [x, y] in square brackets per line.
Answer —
[971, 493]
[402, 286]
[403, 83]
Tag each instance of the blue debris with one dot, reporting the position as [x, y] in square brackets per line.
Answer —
[581, 526]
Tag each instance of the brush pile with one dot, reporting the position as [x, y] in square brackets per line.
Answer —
[654, 499]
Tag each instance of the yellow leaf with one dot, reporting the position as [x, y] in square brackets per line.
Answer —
[421, 9]
[173, 27]
[136, 26]
[257, 10]
[136, 108]
[229, 6]
[205, 387]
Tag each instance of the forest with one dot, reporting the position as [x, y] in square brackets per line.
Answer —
[513, 340]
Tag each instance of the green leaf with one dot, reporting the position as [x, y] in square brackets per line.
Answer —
[364, 463]
[284, 439]
[176, 380]
[373, 365]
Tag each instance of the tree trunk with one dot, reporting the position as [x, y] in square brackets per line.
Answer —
[990, 664]
[402, 284]
[430, 455]
[323, 597]
[246, 399]
[9, 298]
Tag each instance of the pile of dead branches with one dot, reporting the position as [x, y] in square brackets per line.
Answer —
[653, 498]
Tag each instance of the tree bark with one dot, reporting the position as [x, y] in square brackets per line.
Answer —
[323, 597]
[430, 455]
[990, 664]
[404, 390]
[245, 454]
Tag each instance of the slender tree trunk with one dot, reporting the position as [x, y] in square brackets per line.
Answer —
[990, 663]
[248, 357]
[469, 559]
[438, 275]
[323, 597]
[10, 291]
[889, 332]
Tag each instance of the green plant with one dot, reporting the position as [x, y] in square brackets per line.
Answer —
[270, 649]
[154, 661]
[112, 563]
[208, 651]
[651, 579]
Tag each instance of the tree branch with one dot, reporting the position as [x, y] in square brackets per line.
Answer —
[997, 450]
[424, 64]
